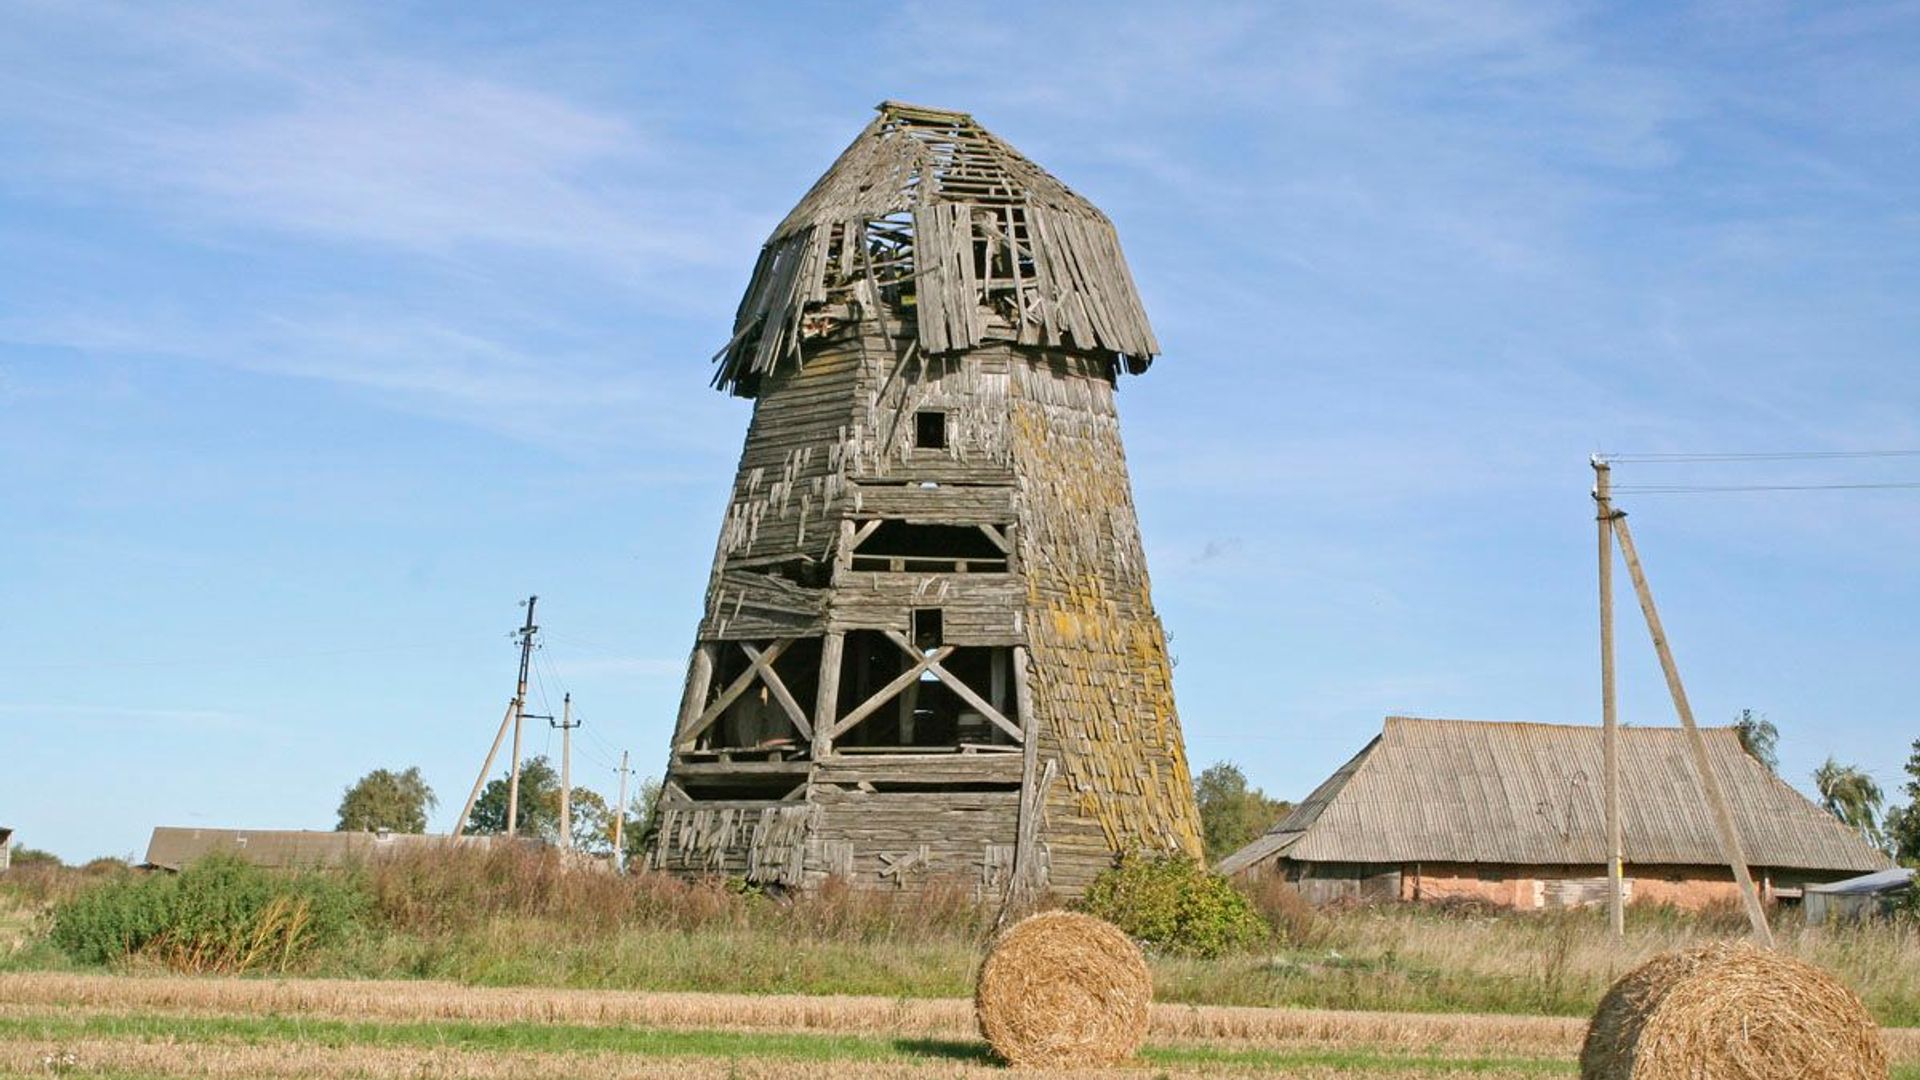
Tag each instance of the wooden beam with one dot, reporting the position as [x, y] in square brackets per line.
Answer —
[1027, 881]
[742, 768]
[999, 538]
[886, 693]
[780, 692]
[734, 690]
[827, 701]
[966, 692]
[1716, 798]
[693, 696]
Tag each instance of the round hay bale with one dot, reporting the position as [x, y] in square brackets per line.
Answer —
[1731, 1012]
[1063, 989]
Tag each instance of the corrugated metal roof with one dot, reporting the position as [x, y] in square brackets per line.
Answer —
[1478, 791]
[1879, 881]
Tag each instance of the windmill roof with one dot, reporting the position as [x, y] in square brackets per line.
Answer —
[1476, 791]
[928, 204]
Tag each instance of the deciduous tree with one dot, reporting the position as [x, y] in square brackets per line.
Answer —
[539, 811]
[1231, 812]
[384, 799]
[1903, 823]
[1759, 738]
[1851, 795]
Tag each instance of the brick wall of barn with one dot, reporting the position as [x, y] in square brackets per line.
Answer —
[1532, 887]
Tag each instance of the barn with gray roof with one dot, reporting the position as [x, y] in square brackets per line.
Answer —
[1513, 814]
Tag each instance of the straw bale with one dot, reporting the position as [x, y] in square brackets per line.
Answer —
[1731, 1012]
[1061, 989]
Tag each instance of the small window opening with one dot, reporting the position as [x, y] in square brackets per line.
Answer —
[930, 429]
[928, 631]
[905, 548]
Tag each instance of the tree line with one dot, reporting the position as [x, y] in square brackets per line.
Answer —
[1848, 792]
[399, 801]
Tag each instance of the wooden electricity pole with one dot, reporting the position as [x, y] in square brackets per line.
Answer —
[566, 726]
[525, 635]
[1609, 713]
[620, 819]
[460, 826]
[1730, 848]
[515, 713]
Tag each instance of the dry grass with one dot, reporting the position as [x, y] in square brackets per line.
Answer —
[516, 918]
[113, 1057]
[1452, 1034]
[1409, 958]
[1733, 1011]
[1061, 988]
[446, 889]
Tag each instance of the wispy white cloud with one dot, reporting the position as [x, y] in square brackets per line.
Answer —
[225, 119]
[169, 718]
[583, 398]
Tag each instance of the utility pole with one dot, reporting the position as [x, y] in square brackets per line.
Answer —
[1716, 798]
[620, 819]
[525, 634]
[513, 716]
[460, 826]
[566, 726]
[1609, 713]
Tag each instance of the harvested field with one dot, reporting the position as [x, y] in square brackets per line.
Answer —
[142, 1060]
[33, 994]
[123, 1026]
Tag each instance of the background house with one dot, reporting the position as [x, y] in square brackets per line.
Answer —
[174, 848]
[1513, 814]
[1865, 897]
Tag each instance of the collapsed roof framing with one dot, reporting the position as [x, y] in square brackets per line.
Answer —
[930, 211]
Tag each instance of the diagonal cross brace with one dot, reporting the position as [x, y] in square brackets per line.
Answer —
[867, 708]
[761, 666]
[780, 692]
[953, 682]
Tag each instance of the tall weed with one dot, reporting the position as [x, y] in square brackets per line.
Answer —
[220, 914]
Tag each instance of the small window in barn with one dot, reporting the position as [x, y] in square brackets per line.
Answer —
[1492, 873]
[930, 429]
[928, 631]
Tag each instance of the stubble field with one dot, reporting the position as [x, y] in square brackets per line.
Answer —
[62, 1024]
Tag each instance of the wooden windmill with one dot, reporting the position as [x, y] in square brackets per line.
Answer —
[929, 651]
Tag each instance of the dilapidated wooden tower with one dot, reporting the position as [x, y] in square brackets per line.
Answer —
[929, 649]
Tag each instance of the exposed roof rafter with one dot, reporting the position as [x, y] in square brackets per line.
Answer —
[957, 234]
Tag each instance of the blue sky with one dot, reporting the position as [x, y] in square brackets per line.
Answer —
[329, 332]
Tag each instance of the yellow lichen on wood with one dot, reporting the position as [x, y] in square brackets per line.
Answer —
[1103, 678]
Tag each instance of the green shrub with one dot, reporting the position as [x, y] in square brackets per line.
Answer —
[1174, 905]
[220, 914]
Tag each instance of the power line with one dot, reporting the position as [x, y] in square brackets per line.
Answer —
[1695, 489]
[1781, 455]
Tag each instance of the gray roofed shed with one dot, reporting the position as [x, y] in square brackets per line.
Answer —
[174, 848]
[1470, 791]
[1856, 898]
